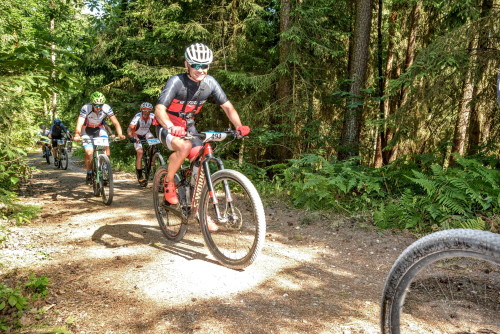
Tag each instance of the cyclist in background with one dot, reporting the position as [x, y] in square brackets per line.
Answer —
[92, 115]
[58, 131]
[181, 99]
[139, 129]
[43, 133]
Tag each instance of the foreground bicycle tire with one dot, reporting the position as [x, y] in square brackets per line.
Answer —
[446, 282]
[64, 159]
[239, 240]
[105, 179]
[170, 221]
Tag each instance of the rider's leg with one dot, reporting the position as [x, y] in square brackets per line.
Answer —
[138, 164]
[88, 162]
[181, 151]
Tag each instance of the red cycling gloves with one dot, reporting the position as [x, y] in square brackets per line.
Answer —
[178, 131]
[243, 130]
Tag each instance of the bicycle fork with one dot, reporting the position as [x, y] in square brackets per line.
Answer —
[221, 218]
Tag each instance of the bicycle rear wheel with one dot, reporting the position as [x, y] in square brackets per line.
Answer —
[106, 179]
[242, 224]
[170, 221]
[446, 282]
[64, 159]
[47, 154]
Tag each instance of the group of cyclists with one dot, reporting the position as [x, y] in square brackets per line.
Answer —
[174, 115]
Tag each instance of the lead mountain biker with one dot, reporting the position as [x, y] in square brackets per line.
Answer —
[57, 131]
[139, 129]
[92, 115]
[180, 101]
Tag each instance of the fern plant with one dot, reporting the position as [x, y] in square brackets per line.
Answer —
[445, 198]
[315, 183]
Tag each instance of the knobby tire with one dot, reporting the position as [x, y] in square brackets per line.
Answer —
[238, 241]
[106, 180]
[64, 159]
[448, 281]
[169, 220]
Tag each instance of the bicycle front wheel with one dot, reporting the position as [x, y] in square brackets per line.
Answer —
[106, 179]
[238, 215]
[446, 282]
[170, 221]
[47, 154]
[64, 159]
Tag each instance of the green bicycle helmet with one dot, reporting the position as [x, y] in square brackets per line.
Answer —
[97, 98]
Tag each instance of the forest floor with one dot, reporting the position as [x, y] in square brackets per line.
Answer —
[112, 271]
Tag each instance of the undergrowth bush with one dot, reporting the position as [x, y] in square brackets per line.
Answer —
[315, 183]
[411, 193]
[460, 196]
[15, 301]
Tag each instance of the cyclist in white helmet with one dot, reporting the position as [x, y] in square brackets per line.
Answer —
[180, 101]
[90, 125]
[139, 129]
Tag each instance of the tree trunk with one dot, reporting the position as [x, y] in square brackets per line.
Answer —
[377, 159]
[53, 104]
[349, 141]
[464, 109]
[392, 153]
[476, 116]
[280, 151]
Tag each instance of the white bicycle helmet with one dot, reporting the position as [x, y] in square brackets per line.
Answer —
[146, 105]
[198, 54]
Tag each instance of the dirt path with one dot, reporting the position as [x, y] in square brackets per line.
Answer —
[112, 271]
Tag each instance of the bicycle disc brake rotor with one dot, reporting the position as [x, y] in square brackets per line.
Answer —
[234, 221]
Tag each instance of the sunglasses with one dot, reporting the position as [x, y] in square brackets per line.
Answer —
[198, 66]
[98, 105]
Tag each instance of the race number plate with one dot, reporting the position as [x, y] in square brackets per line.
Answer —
[101, 141]
[215, 136]
[153, 141]
[60, 142]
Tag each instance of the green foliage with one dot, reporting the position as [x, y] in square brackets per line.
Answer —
[14, 302]
[445, 198]
[38, 286]
[315, 183]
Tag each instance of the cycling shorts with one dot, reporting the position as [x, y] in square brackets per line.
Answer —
[90, 133]
[138, 145]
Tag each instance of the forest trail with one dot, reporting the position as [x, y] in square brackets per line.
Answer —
[112, 271]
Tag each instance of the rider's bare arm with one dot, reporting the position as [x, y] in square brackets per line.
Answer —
[78, 128]
[162, 116]
[231, 113]
[118, 128]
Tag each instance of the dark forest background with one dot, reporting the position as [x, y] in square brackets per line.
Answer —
[385, 107]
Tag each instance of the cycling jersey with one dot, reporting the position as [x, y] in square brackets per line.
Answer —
[181, 94]
[57, 132]
[93, 119]
[141, 126]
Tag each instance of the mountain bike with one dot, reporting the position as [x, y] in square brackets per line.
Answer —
[446, 282]
[102, 173]
[225, 197]
[61, 154]
[151, 158]
[47, 148]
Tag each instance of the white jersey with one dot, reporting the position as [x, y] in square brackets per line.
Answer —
[141, 126]
[93, 119]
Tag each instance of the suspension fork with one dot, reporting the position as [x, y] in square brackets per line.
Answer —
[227, 191]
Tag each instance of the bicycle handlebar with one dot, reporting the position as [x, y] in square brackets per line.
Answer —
[208, 136]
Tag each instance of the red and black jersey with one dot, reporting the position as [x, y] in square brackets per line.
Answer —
[180, 94]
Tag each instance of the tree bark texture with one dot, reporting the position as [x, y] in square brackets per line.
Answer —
[349, 141]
